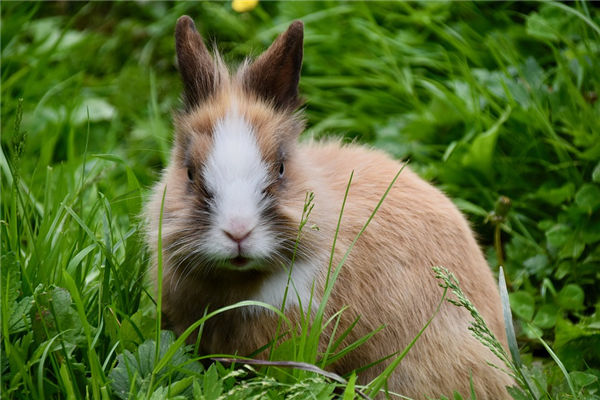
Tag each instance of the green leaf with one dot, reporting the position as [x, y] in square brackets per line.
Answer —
[517, 393]
[558, 235]
[19, 320]
[67, 382]
[480, 154]
[456, 396]
[572, 248]
[10, 279]
[563, 269]
[536, 264]
[590, 230]
[533, 75]
[576, 345]
[470, 208]
[319, 389]
[588, 197]
[545, 316]
[559, 363]
[212, 386]
[522, 304]
[196, 390]
[538, 27]
[349, 393]
[134, 370]
[582, 379]
[555, 195]
[531, 331]
[135, 329]
[55, 314]
[570, 297]
[179, 386]
[161, 393]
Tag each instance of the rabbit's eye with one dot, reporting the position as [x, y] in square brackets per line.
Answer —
[190, 174]
[281, 169]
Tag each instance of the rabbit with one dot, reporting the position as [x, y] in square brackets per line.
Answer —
[234, 192]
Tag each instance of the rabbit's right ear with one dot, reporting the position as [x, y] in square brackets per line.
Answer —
[196, 66]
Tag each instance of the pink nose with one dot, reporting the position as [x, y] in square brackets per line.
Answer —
[237, 229]
[237, 235]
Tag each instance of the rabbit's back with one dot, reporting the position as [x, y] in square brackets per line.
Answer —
[387, 278]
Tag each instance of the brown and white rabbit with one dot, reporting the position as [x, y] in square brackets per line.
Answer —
[235, 190]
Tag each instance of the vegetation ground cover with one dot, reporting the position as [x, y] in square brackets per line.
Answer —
[496, 103]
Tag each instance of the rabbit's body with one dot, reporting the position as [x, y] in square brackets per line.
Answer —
[235, 191]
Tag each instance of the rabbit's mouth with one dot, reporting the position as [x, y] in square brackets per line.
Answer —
[239, 261]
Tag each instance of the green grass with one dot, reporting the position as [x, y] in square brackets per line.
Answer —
[484, 99]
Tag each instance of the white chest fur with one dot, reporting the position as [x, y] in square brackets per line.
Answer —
[300, 292]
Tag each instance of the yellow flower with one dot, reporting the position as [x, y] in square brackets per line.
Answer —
[243, 5]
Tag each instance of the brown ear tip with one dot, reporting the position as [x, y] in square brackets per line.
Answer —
[297, 26]
[185, 22]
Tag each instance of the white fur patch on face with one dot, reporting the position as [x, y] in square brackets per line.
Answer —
[236, 174]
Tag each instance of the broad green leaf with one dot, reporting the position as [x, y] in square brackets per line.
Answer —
[517, 393]
[212, 386]
[563, 269]
[54, 313]
[570, 297]
[179, 386]
[480, 154]
[572, 248]
[576, 345]
[196, 389]
[555, 195]
[19, 317]
[558, 235]
[582, 379]
[539, 27]
[522, 304]
[135, 369]
[588, 197]
[536, 264]
[531, 331]
[545, 317]
[10, 279]
[590, 230]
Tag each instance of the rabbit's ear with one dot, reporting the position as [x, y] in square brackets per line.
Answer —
[195, 63]
[275, 74]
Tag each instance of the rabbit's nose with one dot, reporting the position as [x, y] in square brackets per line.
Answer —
[237, 230]
[237, 235]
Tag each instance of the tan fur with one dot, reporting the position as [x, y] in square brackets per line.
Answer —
[387, 279]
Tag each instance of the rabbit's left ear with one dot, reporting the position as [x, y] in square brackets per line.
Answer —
[274, 76]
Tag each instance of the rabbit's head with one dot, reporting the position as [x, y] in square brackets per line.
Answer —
[234, 188]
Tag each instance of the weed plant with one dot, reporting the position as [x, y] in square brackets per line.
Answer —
[497, 103]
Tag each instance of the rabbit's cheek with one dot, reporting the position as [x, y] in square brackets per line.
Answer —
[261, 244]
